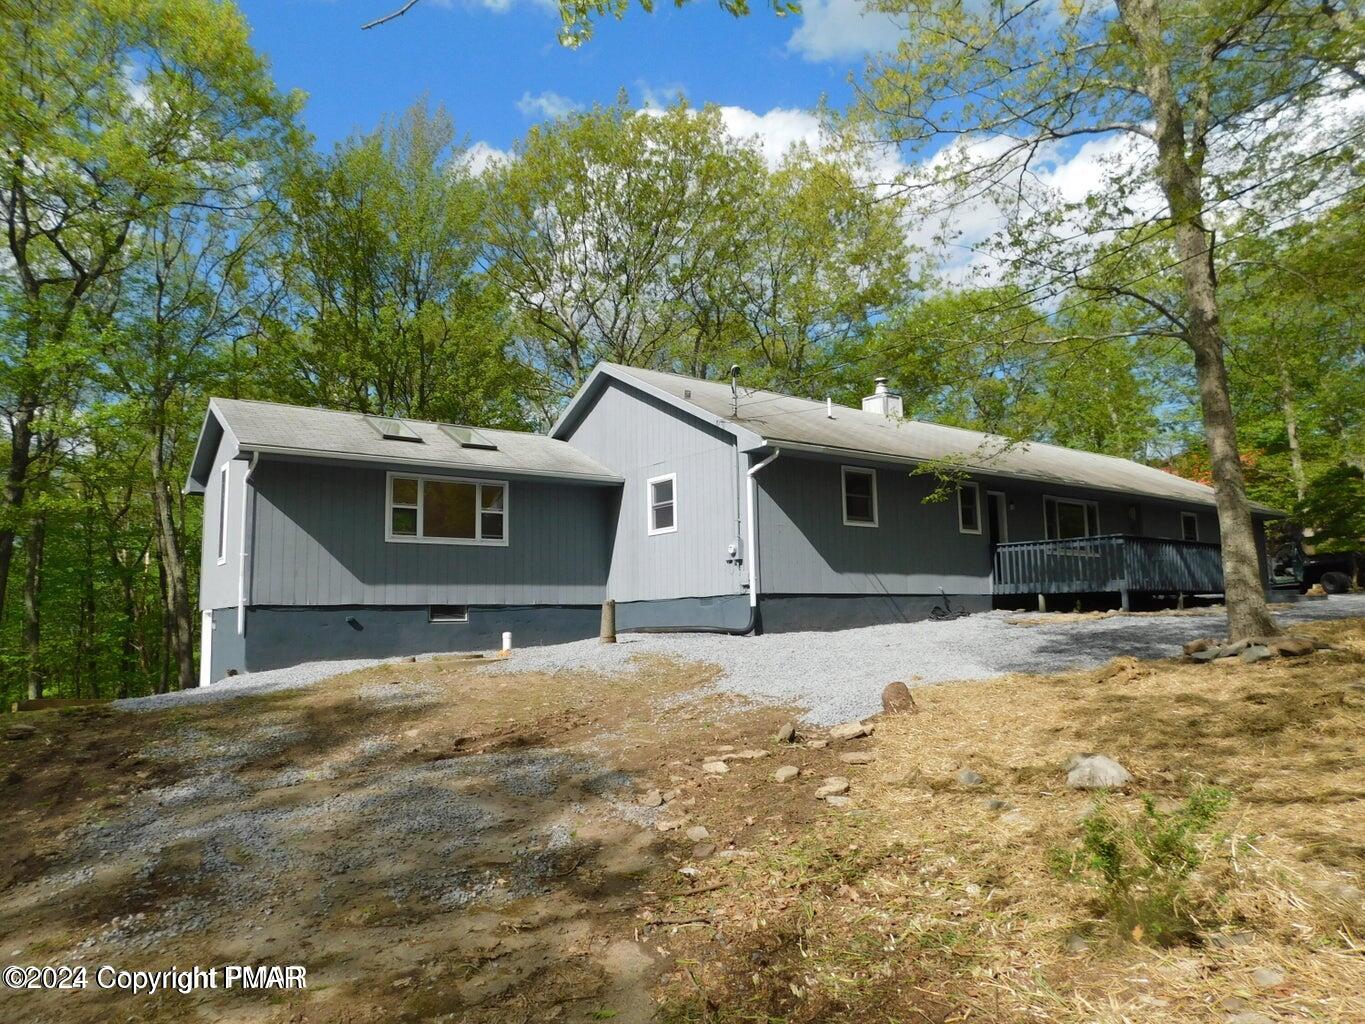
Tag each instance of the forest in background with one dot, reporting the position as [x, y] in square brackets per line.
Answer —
[173, 233]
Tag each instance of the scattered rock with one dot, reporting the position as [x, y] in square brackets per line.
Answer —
[839, 801]
[698, 833]
[746, 755]
[672, 795]
[653, 798]
[1250, 1017]
[21, 731]
[1254, 653]
[1233, 649]
[897, 698]
[787, 734]
[1341, 892]
[667, 825]
[995, 804]
[1196, 646]
[849, 731]
[703, 850]
[1208, 654]
[967, 777]
[1095, 771]
[1077, 944]
[734, 854]
[1293, 646]
[1268, 977]
[817, 744]
[715, 768]
[857, 757]
[786, 773]
[1230, 940]
[832, 786]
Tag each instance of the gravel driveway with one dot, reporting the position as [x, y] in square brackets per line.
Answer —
[839, 676]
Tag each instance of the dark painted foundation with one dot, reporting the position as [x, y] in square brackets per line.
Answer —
[730, 611]
[278, 637]
[789, 613]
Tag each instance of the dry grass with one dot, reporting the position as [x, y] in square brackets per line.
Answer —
[928, 903]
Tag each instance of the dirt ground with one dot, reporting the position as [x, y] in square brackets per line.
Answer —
[438, 844]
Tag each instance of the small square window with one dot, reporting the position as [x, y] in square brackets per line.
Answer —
[860, 496]
[661, 494]
[448, 613]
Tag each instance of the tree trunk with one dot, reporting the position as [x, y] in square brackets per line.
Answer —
[1179, 178]
[16, 485]
[180, 629]
[1291, 430]
[33, 585]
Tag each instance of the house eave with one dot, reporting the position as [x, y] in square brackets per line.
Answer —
[316, 455]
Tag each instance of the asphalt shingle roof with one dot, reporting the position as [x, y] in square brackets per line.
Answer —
[329, 433]
[780, 419]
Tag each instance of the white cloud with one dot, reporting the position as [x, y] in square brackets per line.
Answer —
[776, 131]
[549, 105]
[841, 29]
[481, 156]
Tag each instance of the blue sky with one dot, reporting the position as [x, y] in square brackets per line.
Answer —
[497, 66]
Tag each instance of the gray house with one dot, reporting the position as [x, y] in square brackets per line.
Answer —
[691, 503]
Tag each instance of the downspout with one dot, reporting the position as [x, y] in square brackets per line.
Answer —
[246, 548]
[751, 554]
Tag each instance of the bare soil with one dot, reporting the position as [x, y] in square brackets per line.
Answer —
[435, 843]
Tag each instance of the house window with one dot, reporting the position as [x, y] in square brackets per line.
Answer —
[1066, 518]
[222, 513]
[444, 510]
[968, 508]
[860, 496]
[448, 613]
[661, 493]
[1189, 526]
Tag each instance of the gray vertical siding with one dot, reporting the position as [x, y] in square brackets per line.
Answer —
[319, 540]
[915, 548]
[639, 437]
[218, 583]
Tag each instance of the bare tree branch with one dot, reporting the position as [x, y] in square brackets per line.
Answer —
[389, 17]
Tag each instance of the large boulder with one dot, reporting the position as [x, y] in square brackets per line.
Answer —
[1095, 771]
[1292, 646]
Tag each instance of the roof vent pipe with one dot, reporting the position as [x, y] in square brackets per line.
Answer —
[884, 401]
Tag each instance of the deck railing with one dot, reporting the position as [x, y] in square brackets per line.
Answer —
[1109, 563]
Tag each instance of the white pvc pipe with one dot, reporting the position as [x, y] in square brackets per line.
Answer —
[246, 549]
[753, 528]
[507, 643]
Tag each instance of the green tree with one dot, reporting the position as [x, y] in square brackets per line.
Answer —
[1212, 95]
[390, 310]
[111, 113]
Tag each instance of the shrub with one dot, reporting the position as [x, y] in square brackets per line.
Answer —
[1141, 866]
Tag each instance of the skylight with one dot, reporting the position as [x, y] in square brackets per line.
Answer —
[468, 437]
[393, 429]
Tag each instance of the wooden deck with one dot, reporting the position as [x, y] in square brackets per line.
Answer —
[1113, 563]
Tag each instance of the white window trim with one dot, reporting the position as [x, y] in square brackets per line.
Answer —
[476, 541]
[843, 495]
[224, 479]
[1004, 514]
[976, 500]
[649, 504]
[1073, 501]
[1191, 516]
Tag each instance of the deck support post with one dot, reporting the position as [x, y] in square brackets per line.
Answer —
[1123, 599]
[608, 633]
[1180, 601]
[1042, 602]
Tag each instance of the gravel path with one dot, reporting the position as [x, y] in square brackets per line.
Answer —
[839, 676]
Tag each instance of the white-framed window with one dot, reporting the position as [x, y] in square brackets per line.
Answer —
[661, 504]
[860, 495]
[968, 508]
[1069, 518]
[1189, 526]
[448, 613]
[223, 512]
[445, 510]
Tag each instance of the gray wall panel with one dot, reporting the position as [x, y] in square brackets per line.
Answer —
[218, 583]
[319, 540]
[639, 437]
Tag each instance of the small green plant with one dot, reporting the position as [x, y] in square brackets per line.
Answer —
[1140, 866]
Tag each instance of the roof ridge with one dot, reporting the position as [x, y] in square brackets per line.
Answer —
[383, 416]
